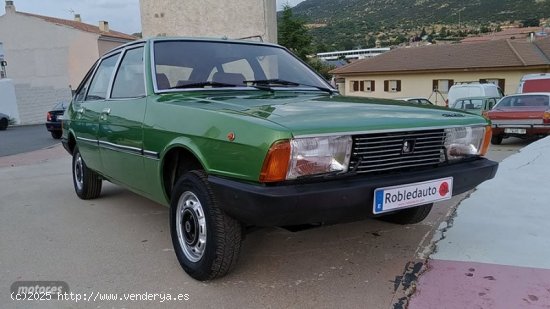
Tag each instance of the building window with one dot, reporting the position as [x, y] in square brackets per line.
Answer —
[369, 86]
[362, 85]
[357, 85]
[442, 85]
[392, 86]
[500, 82]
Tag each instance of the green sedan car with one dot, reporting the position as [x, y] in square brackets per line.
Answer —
[233, 134]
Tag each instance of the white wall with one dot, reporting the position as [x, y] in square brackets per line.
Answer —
[209, 18]
[43, 60]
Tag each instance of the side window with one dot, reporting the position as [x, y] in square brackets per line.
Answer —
[102, 77]
[129, 80]
[84, 85]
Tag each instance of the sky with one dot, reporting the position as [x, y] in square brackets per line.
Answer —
[122, 15]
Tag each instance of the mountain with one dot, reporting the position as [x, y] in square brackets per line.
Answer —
[355, 21]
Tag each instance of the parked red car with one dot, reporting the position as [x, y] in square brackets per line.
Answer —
[520, 115]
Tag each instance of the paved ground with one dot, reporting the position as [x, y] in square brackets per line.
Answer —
[19, 139]
[119, 243]
[501, 262]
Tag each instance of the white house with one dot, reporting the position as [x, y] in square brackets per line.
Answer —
[47, 57]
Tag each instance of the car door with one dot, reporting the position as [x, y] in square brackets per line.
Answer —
[120, 124]
[87, 107]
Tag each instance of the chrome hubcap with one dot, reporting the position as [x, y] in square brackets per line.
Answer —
[78, 172]
[191, 226]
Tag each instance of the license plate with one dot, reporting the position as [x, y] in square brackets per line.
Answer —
[515, 131]
[410, 195]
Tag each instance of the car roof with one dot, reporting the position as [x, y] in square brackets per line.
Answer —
[477, 98]
[535, 76]
[192, 39]
[527, 93]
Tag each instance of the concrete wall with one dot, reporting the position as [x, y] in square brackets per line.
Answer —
[44, 59]
[209, 18]
[413, 85]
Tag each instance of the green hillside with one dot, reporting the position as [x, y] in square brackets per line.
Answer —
[354, 23]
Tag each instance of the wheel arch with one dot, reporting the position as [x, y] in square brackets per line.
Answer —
[175, 161]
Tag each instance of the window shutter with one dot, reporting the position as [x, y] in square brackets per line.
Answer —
[355, 86]
[451, 83]
[362, 85]
[501, 84]
[386, 85]
[398, 86]
[372, 85]
[435, 85]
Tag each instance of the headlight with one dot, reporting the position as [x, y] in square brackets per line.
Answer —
[467, 141]
[319, 155]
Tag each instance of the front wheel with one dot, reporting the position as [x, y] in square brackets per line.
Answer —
[56, 134]
[87, 183]
[409, 215]
[3, 124]
[206, 240]
[496, 139]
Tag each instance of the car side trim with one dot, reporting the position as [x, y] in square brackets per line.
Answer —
[121, 148]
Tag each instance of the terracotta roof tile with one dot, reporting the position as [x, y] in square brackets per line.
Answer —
[82, 26]
[490, 54]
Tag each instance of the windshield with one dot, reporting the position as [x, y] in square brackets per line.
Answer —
[524, 101]
[200, 64]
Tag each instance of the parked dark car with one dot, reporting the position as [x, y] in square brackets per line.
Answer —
[4, 121]
[53, 119]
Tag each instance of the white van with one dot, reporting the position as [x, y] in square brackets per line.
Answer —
[475, 89]
[534, 83]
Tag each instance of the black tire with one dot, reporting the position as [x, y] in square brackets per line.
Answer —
[56, 134]
[3, 124]
[409, 215]
[496, 139]
[213, 253]
[87, 183]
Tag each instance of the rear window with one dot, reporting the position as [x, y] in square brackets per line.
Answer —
[537, 85]
[525, 101]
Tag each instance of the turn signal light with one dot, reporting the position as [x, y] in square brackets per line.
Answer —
[276, 162]
[486, 140]
[49, 116]
[546, 117]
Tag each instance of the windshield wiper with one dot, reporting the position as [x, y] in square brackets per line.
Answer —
[266, 84]
[203, 84]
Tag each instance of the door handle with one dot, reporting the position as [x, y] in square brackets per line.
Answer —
[80, 110]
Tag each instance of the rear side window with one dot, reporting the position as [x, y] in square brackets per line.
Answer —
[102, 77]
[525, 101]
[129, 81]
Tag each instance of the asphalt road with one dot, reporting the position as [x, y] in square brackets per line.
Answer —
[120, 243]
[19, 139]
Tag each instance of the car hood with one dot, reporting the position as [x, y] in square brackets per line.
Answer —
[305, 114]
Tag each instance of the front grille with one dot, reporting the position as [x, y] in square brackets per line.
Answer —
[381, 152]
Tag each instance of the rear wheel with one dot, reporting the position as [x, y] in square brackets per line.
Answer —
[409, 215]
[56, 134]
[3, 124]
[206, 240]
[496, 139]
[87, 183]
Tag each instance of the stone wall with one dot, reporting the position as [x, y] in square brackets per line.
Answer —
[210, 18]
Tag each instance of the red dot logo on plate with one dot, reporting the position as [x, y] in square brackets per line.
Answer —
[444, 189]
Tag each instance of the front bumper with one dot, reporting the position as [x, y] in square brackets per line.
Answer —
[332, 201]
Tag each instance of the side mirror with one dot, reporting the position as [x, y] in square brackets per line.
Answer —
[3, 63]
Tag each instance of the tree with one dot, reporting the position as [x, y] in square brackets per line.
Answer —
[293, 34]
[531, 22]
